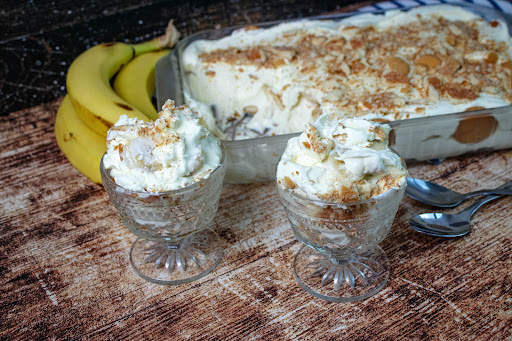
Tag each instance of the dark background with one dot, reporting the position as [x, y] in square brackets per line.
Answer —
[39, 39]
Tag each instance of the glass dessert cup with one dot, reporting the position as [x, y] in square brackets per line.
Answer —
[341, 260]
[174, 244]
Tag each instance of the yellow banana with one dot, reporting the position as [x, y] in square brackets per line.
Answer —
[82, 146]
[135, 82]
[88, 80]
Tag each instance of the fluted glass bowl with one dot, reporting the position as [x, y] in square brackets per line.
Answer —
[174, 244]
[341, 260]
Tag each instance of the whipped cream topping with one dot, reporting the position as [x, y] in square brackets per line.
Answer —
[272, 81]
[341, 160]
[168, 154]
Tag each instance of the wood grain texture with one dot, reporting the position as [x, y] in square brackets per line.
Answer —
[65, 271]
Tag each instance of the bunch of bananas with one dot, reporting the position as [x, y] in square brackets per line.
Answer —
[93, 104]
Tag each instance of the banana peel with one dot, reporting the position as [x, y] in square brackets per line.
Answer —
[88, 80]
[82, 146]
[135, 82]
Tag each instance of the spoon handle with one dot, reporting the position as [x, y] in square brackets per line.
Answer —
[468, 212]
[471, 209]
[505, 189]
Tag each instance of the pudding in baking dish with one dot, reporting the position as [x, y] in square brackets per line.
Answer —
[262, 82]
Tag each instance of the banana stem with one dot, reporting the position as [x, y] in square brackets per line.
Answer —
[168, 40]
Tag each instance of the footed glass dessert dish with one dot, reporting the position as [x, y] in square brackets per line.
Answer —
[174, 244]
[341, 260]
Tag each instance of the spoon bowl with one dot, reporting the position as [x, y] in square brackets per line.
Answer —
[448, 225]
[436, 195]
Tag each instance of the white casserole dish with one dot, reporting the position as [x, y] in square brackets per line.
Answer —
[418, 139]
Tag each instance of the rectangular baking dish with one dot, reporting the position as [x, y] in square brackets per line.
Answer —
[418, 139]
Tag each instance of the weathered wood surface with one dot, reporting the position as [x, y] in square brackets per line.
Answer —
[65, 271]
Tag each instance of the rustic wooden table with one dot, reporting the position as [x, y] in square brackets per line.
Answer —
[65, 273]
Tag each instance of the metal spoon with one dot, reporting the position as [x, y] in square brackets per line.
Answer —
[436, 195]
[448, 225]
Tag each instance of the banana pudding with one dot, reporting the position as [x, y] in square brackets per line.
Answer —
[165, 178]
[168, 154]
[341, 161]
[262, 82]
[341, 186]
